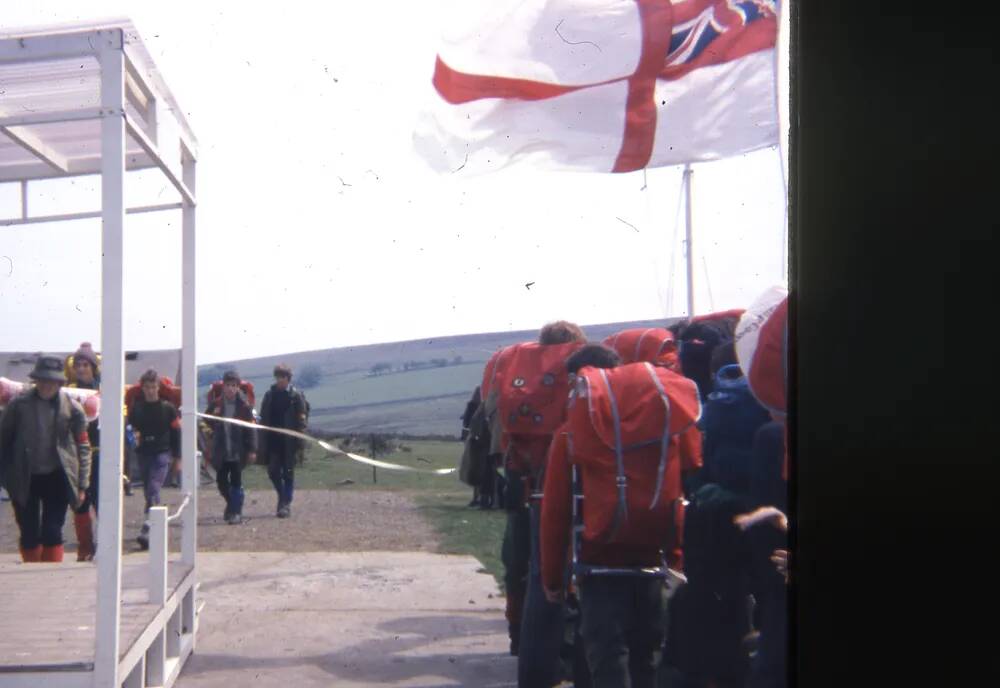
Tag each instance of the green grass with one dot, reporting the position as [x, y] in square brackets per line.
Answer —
[442, 499]
[325, 471]
[464, 530]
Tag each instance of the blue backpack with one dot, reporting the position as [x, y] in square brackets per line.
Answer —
[729, 421]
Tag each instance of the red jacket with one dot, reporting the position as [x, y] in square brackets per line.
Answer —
[684, 454]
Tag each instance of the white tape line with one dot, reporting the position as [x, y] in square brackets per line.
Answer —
[329, 447]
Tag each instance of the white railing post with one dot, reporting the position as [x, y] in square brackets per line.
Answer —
[109, 532]
[189, 372]
[158, 555]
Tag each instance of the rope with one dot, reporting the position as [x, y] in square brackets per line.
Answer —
[328, 447]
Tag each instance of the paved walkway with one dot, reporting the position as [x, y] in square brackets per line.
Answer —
[348, 619]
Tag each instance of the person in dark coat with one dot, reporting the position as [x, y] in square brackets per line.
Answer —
[286, 407]
[156, 424]
[233, 446]
[44, 460]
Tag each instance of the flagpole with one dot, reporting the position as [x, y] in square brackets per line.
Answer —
[690, 254]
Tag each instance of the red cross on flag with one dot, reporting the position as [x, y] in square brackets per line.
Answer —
[601, 85]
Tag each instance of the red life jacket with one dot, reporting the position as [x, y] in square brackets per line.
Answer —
[623, 425]
[655, 345]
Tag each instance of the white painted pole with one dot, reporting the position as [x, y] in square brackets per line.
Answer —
[158, 555]
[189, 374]
[109, 536]
[155, 655]
[189, 387]
[687, 241]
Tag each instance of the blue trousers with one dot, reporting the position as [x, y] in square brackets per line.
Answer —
[281, 471]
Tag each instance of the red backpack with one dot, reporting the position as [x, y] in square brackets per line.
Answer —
[168, 391]
[623, 424]
[215, 391]
[655, 345]
[532, 384]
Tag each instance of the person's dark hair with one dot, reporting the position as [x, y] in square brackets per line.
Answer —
[149, 376]
[723, 355]
[595, 356]
[677, 328]
[230, 376]
[561, 332]
[282, 370]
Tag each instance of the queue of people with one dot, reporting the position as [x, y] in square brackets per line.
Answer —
[646, 505]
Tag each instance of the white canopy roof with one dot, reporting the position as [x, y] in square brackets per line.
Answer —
[50, 103]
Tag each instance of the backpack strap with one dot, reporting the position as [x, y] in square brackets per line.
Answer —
[621, 512]
[638, 344]
[665, 441]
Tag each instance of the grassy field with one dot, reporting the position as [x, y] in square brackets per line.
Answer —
[352, 401]
[442, 499]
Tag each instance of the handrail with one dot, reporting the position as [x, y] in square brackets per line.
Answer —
[158, 549]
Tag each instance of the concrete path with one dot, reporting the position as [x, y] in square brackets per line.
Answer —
[304, 620]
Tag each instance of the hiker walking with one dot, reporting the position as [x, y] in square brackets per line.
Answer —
[629, 436]
[156, 425]
[527, 396]
[286, 407]
[44, 460]
[233, 446]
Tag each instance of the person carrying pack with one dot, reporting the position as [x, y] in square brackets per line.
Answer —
[528, 391]
[156, 424]
[629, 436]
[233, 447]
[283, 406]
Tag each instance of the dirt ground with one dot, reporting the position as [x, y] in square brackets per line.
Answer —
[321, 521]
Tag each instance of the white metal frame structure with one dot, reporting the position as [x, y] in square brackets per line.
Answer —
[114, 115]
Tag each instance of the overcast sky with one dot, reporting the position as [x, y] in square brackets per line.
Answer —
[319, 226]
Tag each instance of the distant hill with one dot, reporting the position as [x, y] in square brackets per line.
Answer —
[415, 387]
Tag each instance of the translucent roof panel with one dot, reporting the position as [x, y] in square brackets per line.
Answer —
[51, 86]
[43, 97]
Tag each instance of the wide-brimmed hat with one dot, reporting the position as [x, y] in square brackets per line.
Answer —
[48, 368]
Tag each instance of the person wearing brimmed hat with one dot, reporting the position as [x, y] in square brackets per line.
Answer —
[86, 369]
[44, 460]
